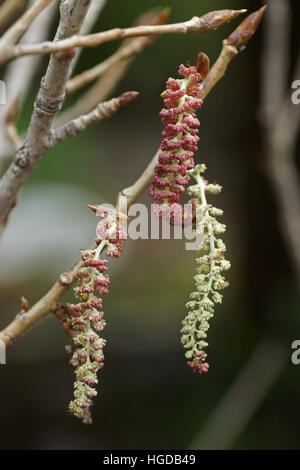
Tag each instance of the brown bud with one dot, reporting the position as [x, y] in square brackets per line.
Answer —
[128, 97]
[203, 65]
[244, 32]
[24, 305]
[217, 18]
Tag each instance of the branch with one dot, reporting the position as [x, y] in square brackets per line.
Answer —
[23, 321]
[16, 31]
[208, 22]
[9, 9]
[49, 100]
[50, 301]
[102, 111]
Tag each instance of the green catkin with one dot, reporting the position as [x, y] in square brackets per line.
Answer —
[209, 280]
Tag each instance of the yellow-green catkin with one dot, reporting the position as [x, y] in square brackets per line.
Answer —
[209, 279]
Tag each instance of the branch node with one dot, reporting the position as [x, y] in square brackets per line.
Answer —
[64, 279]
[22, 160]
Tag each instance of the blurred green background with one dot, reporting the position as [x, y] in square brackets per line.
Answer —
[147, 396]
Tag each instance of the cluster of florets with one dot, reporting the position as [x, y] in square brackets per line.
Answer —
[87, 316]
[180, 139]
[111, 230]
[209, 280]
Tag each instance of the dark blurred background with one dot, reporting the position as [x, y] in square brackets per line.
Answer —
[147, 396]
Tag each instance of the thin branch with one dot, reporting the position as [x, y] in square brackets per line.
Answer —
[102, 111]
[45, 305]
[206, 23]
[16, 31]
[9, 9]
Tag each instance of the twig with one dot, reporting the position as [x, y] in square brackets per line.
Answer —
[208, 22]
[49, 100]
[45, 305]
[10, 124]
[245, 395]
[102, 111]
[16, 31]
[9, 9]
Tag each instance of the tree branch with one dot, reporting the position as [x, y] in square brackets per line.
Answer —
[102, 111]
[206, 23]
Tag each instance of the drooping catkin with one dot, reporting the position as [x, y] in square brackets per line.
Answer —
[209, 279]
